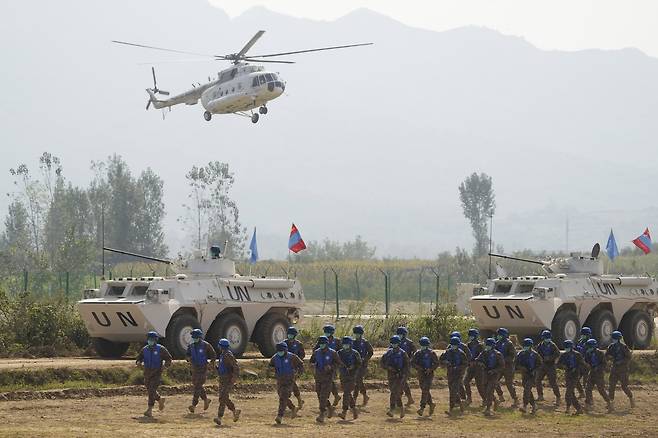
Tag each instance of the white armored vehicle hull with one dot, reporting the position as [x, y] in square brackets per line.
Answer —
[577, 295]
[209, 296]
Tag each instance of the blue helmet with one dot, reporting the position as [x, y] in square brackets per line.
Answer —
[395, 340]
[402, 331]
[503, 332]
[546, 334]
[592, 343]
[490, 342]
[424, 341]
[358, 330]
[323, 340]
[456, 335]
[346, 340]
[292, 331]
[568, 343]
[223, 343]
[152, 334]
[586, 331]
[329, 329]
[473, 332]
[197, 333]
[528, 342]
[454, 340]
[616, 334]
[281, 346]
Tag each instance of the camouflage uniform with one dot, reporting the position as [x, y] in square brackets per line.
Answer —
[297, 348]
[152, 358]
[549, 354]
[528, 362]
[198, 354]
[456, 361]
[348, 371]
[396, 363]
[425, 362]
[285, 369]
[595, 358]
[462, 389]
[493, 363]
[621, 359]
[333, 344]
[365, 350]
[228, 371]
[582, 382]
[409, 347]
[475, 347]
[506, 348]
[572, 362]
[326, 363]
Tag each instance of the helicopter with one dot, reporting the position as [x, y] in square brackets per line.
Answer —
[239, 89]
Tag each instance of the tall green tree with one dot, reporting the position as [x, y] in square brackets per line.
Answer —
[479, 204]
[151, 211]
[15, 242]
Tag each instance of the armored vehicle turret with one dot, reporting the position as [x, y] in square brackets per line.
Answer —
[574, 292]
[206, 293]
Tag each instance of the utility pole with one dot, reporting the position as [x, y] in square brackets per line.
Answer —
[490, 241]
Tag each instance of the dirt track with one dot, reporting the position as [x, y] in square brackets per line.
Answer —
[122, 416]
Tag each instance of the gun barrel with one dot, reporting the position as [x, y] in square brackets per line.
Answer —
[141, 256]
[536, 262]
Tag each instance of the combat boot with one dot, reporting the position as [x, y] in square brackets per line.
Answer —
[432, 406]
[487, 411]
[206, 403]
[355, 413]
[568, 409]
[161, 404]
[278, 419]
[236, 415]
[320, 418]
[390, 413]
[496, 403]
[501, 399]
[402, 411]
[420, 412]
[534, 408]
[300, 403]
[191, 408]
[337, 400]
[148, 412]
[579, 410]
[522, 409]
[461, 407]
[540, 398]
[342, 414]
[365, 400]
[632, 400]
[610, 407]
[293, 412]
[218, 421]
[410, 401]
[331, 411]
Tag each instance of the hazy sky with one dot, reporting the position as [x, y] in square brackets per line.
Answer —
[548, 24]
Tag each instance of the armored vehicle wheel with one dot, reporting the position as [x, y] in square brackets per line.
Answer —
[109, 349]
[565, 326]
[270, 330]
[179, 334]
[602, 324]
[232, 327]
[637, 329]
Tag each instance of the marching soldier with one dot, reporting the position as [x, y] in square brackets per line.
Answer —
[621, 359]
[528, 361]
[286, 365]
[152, 357]
[425, 361]
[329, 331]
[228, 371]
[325, 361]
[549, 353]
[409, 347]
[199, 352]
[473, 371]
[351, 364]
[364, 348]
[492, 362]
[506, 348]
[297, 348]
[572, 362]
[463, 347]
[585, 335]
[396, 362]
[456, 361]
[595, 358]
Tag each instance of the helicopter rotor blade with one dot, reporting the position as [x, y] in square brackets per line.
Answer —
[266, 60]
[251, 42]
[160, 48]
[148, 104]
[312, 50]
[155, 85]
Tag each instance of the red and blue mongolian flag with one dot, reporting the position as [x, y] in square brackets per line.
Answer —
[295, 242]
[644, 242]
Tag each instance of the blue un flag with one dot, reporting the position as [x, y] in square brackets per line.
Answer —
[254, 248]
[611, 246]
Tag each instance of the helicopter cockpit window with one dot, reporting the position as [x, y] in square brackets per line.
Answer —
[255, 82]
[274, 77]
[261, 79]
[268, 77]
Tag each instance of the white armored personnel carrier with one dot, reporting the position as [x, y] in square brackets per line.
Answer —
[206, 293]
[574, 293]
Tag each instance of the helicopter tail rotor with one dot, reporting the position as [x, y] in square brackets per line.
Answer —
[155, 88]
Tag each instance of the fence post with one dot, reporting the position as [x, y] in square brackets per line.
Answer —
[420, 291]
[385, 291]
[438, 284]
[337, 305]
[67, 287]
[95, 286]
[358, 287]
[324, 279]
[25, 280]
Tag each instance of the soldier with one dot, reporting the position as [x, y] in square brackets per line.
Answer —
[326, 362]
[506, 348]
[351, 363]
[297, 348]
[473, 371]
[572, 362]
[549, 353]
[228, 372]
[493, 363]
[595, 358]
[528, 361]
[151, 357]
[396, 362]
[364, 348]
[425, 361]
[585, 335]
[456, 361]
[409, 347]
[329, 331]
[463, 347]
[621, 359]
[199, 352]
[286, 365]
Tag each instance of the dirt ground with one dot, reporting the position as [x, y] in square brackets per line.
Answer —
[122, 416]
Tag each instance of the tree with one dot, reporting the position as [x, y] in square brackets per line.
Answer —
[151, 212]
[478, 203]
[15, 242]
[32, 196]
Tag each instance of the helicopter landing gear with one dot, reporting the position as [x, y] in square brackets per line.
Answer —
[207, 116]
[254, 118]
[262, 109]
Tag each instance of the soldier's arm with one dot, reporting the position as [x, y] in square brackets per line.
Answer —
[500, 363]
[383, 362]
[467, 351]
[560, 361]
[165, 356]
[211, 354]
[359, 361]
[582, 364]
[369, 350]
[301, 352]
[271, 362]
[628, 354]
[464, 362]
[540, 360]
[235, 367]
[297, 364]
[435, 361]
[188, 353]
[406, 363]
